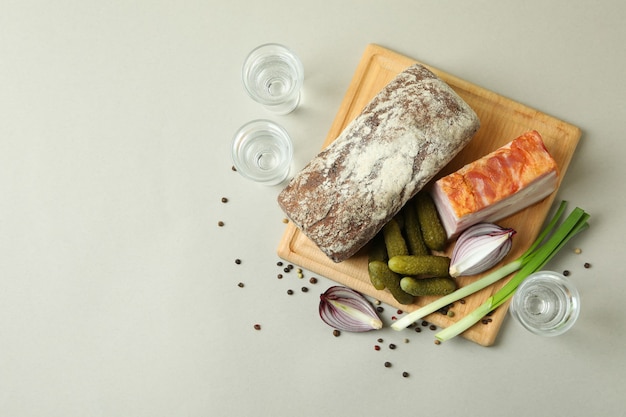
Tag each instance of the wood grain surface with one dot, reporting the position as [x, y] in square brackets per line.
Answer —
[502, 120]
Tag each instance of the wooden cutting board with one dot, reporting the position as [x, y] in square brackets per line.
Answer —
[502, 120]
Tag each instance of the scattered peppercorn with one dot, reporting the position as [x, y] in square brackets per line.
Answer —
[376, 347]
[279, 263]
[300, 275]
[392, 346]
[238, 261]
[380, 340]
[220, 223]
[240, 285]
[424, 323]
[484, 321]
[257, 327]
[418, 329]
[377, 302]
[313, 280]
[400, 311]
[380, 309]
[285, 220]
[387, 364]
[462, 301]
[279, 276]
[578, 251]
[290, 292]
[233, 168]
[305, 289]
[406, 340]
[290, 267]
[566, 273]
[450, 314]
[286, 270]
[432, 327]
[336, 333]
[587, 265]
[437, 342]
[224, 200]
[405, 374]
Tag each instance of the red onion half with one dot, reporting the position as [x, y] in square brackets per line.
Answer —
[345, 309]
[479, 248]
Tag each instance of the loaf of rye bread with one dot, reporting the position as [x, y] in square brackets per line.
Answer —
[400, 141]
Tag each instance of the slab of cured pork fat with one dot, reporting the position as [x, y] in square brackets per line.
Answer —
[400, 141]
[511, 178]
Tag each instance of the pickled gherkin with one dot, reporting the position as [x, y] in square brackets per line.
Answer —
[428, 286]
[396, 245]
[380, 272]
[412, 231]
[433, 231]
[377, 251]
[420, 265]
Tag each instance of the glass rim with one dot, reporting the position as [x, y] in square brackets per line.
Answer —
[293, 57]
[550, 277]
[252, 126]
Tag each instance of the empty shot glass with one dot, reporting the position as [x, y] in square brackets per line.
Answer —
[262, 151]
[273, 76]
[546, 303]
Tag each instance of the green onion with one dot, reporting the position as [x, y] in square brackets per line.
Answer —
[536, 256]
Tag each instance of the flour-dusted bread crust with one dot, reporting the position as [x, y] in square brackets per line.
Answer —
[400, 141]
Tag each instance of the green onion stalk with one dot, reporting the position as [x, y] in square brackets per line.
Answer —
[548, 243]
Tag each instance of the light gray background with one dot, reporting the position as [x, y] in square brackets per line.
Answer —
[118, 292]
